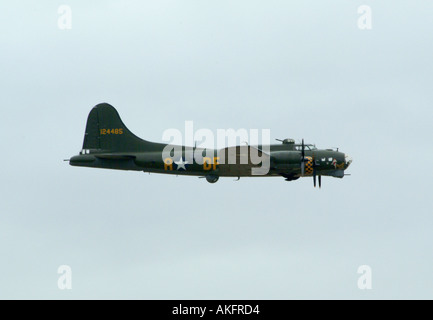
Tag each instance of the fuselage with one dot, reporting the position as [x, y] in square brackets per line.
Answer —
[284, 161]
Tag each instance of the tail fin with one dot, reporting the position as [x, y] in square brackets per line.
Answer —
[105, 132]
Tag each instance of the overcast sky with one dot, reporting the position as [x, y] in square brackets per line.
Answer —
[301, 69]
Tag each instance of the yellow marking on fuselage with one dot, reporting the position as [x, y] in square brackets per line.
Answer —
[215, 162]
[168, 164]
[208, 164]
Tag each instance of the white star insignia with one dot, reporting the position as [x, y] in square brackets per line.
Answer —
[181, 164]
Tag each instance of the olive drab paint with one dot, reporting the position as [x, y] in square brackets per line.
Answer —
[109, 144]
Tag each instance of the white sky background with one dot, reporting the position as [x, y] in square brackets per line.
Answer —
[303, 70]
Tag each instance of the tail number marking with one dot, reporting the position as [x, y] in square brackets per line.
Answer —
[111, 131]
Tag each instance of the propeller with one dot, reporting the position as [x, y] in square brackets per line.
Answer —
[314, 177]
[315, 174]
[314, 167]
[303, 149]
[302, 158]
[314, 170]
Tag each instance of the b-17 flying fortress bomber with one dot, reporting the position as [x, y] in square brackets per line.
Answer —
[109, 144]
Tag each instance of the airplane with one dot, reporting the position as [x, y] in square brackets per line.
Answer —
[109, 144]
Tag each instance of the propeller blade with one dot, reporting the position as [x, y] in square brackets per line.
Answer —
[302, 159]
[314, 177]
[303, 150]
[320, 181]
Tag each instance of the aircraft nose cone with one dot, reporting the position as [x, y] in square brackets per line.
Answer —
[348, 160]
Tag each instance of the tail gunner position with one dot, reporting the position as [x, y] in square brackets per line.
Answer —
[109, 144]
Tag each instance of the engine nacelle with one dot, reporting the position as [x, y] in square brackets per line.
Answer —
[308, 169]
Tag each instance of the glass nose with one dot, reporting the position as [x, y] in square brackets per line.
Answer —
[348, 160]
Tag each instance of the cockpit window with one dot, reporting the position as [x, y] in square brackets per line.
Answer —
[309, 147]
